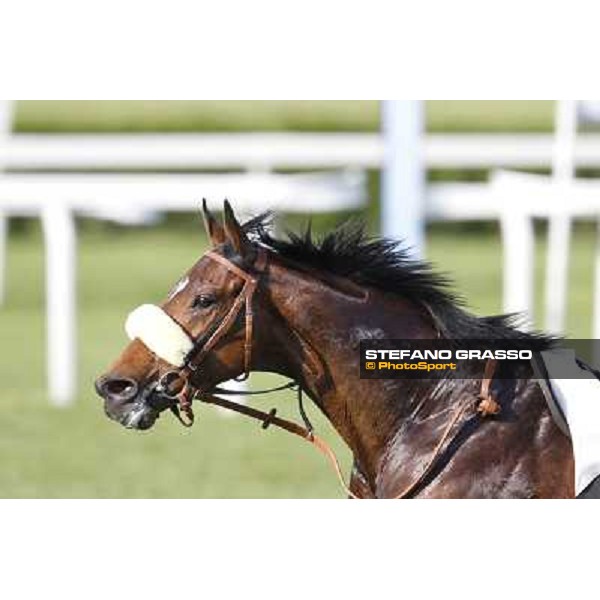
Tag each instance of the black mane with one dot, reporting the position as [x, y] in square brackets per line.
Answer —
[385, 264]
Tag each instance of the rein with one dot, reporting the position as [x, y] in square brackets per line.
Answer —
[486, 406]
[186, 393]
[267, 419]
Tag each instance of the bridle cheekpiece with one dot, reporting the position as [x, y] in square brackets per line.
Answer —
[175, 383]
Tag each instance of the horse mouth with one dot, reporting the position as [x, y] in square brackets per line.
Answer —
[139, 416]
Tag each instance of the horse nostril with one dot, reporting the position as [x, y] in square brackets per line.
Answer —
[117, 388]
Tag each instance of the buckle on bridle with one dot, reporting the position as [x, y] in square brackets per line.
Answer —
[180, 403]
[165, 381]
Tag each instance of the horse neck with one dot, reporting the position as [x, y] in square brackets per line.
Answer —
[322, 328]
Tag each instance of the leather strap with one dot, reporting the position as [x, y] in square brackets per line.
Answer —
[270, 418]
[487, 404]
[179, 379]
[307, 434]
[458, 413]
[244, 298]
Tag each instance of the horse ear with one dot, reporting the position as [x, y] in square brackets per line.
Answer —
[214, 230]
[235, 234]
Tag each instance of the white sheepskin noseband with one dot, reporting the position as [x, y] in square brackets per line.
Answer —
[159, 333]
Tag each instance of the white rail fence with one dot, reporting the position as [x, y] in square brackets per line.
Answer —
[525, 197]
[511, 199]
[27, 189]
[57, 199]
[283, 151]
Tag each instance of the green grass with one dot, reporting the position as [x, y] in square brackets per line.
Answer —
[314, 115]
[78, 452]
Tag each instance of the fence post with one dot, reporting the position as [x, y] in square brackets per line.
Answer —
[60, 240]
[3, 247]
[596, 299]
[5, 130]
[559, 223]
[518, 248]
[403, 175]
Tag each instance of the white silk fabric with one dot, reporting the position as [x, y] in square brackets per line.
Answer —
[579, 398]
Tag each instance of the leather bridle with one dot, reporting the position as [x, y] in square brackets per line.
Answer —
[176, 384]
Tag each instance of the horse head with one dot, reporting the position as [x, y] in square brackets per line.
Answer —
[201, 335]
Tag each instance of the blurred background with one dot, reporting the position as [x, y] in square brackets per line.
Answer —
[98, 214]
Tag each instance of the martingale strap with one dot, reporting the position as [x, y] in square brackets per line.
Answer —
[485, 407]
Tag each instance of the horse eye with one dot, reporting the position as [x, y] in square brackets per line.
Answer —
[203, 301]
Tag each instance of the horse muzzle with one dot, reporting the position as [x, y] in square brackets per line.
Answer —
[128, 404]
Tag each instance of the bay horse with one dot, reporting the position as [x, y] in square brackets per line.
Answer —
[299, 307]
